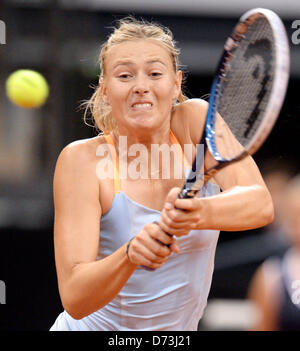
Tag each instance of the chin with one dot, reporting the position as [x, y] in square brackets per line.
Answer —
[143, 123]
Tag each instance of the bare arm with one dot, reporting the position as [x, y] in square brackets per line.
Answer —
[85, 284]
[245, 202]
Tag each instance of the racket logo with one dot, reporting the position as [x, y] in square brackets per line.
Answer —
[254, 51]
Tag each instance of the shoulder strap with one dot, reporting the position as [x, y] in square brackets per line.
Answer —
[117, 184]
[179, 150]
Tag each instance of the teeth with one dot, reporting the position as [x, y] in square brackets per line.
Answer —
[141, 105]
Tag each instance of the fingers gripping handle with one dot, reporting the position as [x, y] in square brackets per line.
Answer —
[153, 269]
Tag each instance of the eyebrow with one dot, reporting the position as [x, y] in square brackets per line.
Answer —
[130, 63]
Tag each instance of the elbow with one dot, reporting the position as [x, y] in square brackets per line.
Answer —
[268, 215]
[77, 310]
[267, 209]
[74, 313]
[73, 309]
[73, 306]
[79, 307]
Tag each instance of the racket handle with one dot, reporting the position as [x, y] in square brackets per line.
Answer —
[187, 193]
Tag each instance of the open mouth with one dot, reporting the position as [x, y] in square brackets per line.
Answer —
[142, 105]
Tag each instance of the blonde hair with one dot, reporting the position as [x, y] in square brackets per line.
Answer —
[129, 29]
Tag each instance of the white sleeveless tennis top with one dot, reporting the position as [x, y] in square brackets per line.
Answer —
[172, 297]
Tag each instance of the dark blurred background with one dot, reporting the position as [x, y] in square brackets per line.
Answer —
[61, 39]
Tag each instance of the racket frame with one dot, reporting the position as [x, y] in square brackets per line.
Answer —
[274, 104]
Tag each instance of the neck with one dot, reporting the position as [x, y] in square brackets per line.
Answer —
[150, 155]
[148, 138]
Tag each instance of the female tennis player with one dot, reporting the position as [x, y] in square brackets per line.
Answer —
[117, 267]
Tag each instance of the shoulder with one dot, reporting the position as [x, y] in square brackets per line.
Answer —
[188, 119]
[79, 151]
[78, 158]
[75, 177]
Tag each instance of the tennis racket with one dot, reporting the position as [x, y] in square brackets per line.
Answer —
[246, 96]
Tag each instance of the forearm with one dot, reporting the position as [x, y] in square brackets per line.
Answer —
[239, 208]
[92, 285]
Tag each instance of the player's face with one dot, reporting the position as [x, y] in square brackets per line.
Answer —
[140, 84]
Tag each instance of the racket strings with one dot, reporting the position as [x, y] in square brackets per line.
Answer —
[245, 89]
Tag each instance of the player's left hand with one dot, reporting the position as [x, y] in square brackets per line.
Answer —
[180, 216]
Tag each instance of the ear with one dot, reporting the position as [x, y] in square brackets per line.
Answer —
[103, 90]
[178, 82]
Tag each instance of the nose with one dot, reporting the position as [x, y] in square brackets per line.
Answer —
[141, 86]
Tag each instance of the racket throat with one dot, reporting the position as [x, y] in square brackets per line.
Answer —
[189, 192]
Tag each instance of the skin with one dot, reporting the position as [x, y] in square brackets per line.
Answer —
[140, 71]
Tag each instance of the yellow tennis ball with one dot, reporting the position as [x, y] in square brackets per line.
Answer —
[27, 88]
